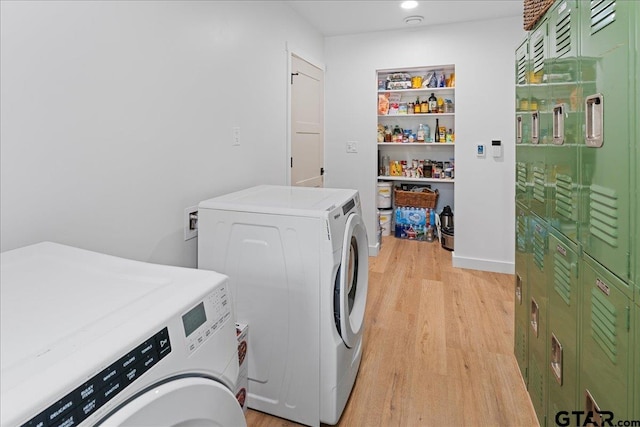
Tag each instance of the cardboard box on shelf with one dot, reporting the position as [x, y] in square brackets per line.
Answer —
[242, 333]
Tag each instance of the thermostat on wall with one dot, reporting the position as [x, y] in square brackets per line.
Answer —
[496, 147]
[480, 150]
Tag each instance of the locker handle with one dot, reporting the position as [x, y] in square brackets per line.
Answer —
[519, 289]
[519, 129]
[535, 313]
[594, 119]
[556, 358]
[535, 127]
[558, 124]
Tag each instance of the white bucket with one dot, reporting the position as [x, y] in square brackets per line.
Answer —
[384, 195]
[385, 221]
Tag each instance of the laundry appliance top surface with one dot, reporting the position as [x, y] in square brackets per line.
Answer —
[284, 200]
[58, 302]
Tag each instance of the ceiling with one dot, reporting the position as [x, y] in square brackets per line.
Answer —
[333, 18]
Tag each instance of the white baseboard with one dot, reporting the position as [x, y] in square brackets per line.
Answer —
[483, 264]
[374, 250]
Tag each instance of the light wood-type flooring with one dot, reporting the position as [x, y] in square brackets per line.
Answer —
[438, 347]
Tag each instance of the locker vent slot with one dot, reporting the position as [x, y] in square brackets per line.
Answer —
[521, 233]
[603, 324]
[521, 343]
[521, 174]
[537, 386]
[603, 13]
[564, 196]
[562, 277]
[538, 55]
[538, 184]
[563, 35]
[603, 214]
[538, 249]
[522, 69]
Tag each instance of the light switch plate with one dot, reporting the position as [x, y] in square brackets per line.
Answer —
[480, 152]
[352, 146]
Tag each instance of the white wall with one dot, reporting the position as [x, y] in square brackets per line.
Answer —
[116, 116]
[483, 53]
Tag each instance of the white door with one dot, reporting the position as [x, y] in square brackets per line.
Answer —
[352, 281]
[307, 124]
[184, 402]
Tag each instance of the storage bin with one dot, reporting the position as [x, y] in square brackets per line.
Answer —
[426, 198]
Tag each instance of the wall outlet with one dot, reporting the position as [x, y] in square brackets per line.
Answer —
[190, 223]
[352, 146]
[236, 136]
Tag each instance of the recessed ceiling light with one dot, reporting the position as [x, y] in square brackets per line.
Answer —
[409, 4]
[413, 20]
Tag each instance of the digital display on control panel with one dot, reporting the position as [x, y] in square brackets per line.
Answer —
[193, 319]
[348, 206]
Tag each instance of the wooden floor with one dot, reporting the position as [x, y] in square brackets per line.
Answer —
[438, 346]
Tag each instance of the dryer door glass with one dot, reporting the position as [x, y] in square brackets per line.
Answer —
[186, 401]
[351, 283]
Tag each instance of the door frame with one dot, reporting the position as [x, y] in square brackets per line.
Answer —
[291, 51]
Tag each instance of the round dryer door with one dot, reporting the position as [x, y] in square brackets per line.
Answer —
[353, 279]
[184, 402]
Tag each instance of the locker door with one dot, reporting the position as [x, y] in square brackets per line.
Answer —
[538, 321]
[563, 325]
[606, 363]
[636, 370]
[605, 152]
[521, 327]
[539, 118]
[523, 126]
[565, 107]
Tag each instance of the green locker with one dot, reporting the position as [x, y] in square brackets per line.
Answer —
[636, 365]
[521, 326]
[606, 357]
[607, 47]
[523, 125]
[539, 119]
[564, 312]
[538, 282]
[567, 116]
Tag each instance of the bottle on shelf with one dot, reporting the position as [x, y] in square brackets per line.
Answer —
[433, 104]
[437, 131]
[416, 106]
[424, 107]
[420, 134]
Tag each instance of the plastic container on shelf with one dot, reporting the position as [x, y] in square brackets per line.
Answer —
[386, 219]
[384, 195]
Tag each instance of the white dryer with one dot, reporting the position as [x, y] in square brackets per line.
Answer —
[91, 339]
[297, 261]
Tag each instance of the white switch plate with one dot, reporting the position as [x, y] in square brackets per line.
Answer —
[236, 136]
[352, 146]
[480, 151]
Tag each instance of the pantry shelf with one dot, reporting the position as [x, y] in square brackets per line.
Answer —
[407, 179]
[423, 90]
[422, 144]
[417, 115]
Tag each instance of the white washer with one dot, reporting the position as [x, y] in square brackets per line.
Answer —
[90, 339]
[297, 261]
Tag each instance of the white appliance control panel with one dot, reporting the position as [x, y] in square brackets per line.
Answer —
[203, 321]
[86, 399]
